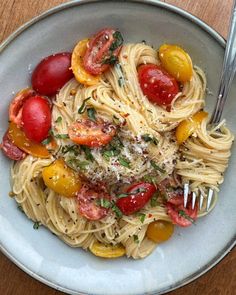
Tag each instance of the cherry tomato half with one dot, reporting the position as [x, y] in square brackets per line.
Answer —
[93, 134]
[15, 109]
[52, 73]
[102, 51]
[180, 215]
[10, 149]
[88, 207]
[36, 118]
[138, 195]
[159, 87]
[160, 231]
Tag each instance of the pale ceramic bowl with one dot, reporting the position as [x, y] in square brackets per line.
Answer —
[191, 251]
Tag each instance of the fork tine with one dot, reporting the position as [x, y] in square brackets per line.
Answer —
[209, 198]
[193, 199]
[201, 202]
[186, 190]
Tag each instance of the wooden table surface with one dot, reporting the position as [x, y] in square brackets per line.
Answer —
[219, 281]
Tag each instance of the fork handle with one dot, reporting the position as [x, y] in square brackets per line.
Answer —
[228, 70]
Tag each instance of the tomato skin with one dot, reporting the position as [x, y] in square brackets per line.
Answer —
[160, 231]
[16, 105]
[52, 73]
[36, 118]
[88, 207]
[133, 203]
[159, 87]
[10, 149]
[92, 134]
[176, 205]
[98, 50]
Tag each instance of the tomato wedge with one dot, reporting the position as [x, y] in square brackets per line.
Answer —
[137, 197]
[19, 139]
[90, 133]
[88, 199]
[179, 215]
[103, 50]
[15, 109]
[11, 150]
[159, 86]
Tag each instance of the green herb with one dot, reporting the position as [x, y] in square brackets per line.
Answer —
[92, 114]
[82, 108]
[36, 225]
[80, 164]
[124, 162]
[116, 142]
[51, 132]
[186, 216]
[59, 119]
[116, 120]
[137, 191]
[136, 240]
[155, 166]
[148, 138]
[20, 208]
[108, 154]
[150, 179]
[61, 136]
[142, 217]
[88, 154]
[46, 141]
[154, 199]
[70, 148]
[117, 42]
[104, 203]
[116, 210]
[121, 81]
[110, 60]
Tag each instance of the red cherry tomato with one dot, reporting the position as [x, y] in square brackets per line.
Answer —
[15, 109]
[11, 150]
[180, 215]
[88, 207]
[138, 195]
[93, 134]
[36, 118]
[52, 73]
[102, 51]
[159, 86]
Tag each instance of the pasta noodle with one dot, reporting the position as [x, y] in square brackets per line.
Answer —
[200, 161]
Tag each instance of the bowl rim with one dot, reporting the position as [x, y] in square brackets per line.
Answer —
[156, 3]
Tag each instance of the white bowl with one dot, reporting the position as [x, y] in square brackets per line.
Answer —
[191, 251]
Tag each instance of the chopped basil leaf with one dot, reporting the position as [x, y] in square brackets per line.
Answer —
[155, 166]
[123, 195]
[70, 148]
[107, 155]
[142, 217]
[137, 191]
[124, 162]
[110, 60]
[82, 165]
[116, 120]
[36, 225]
[154, 199]
[136, 240]
[51, 132]
[61, 136]
[104, 203]
[92, 114]
[82, 108]
[88, 154]
[46, 141]
[150, 179]
[59, 119]
[121, 81]
[149, 138]
[117, 42]
[116, 210]
[186, 216]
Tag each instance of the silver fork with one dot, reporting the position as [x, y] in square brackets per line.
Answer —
[227, 75]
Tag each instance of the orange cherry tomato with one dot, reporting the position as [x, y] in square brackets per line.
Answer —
[19, 138]
[15, 109]
[176, 62]
[92, 134]
[187, 127]
[81, 75]
[160, 231]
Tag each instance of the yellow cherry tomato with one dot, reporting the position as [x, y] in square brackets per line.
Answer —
[19, 138]
[62, 179]
[176, 62]
[187, 127]
[77, 65]
[107, 251]
[160, 231]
